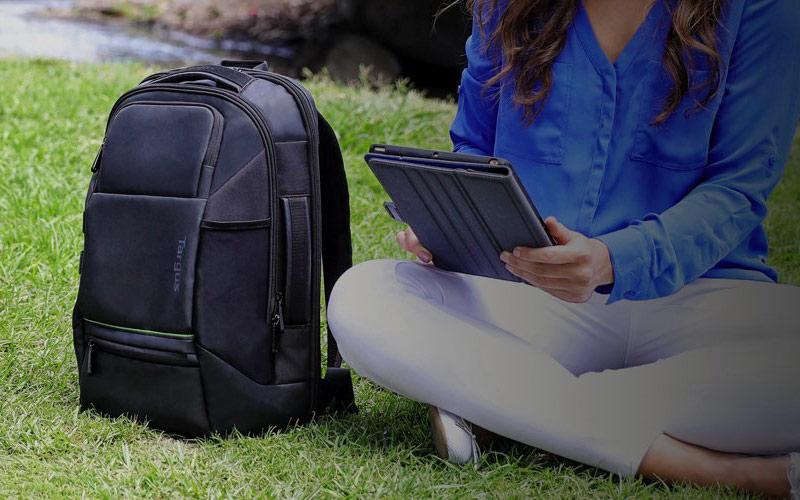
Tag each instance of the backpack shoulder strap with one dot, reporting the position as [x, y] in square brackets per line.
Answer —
[336, 389]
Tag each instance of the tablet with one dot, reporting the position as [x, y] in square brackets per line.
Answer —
[465, 209]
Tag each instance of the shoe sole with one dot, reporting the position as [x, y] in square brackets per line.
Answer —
[437, 431]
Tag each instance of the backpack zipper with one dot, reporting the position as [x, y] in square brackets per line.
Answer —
[89, 357]
[138, 353]
[96, 162]
[278, 326]
[310, 119]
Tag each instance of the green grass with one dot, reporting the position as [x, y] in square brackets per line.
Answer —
[51, 123]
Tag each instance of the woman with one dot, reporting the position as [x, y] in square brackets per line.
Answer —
[654, 340]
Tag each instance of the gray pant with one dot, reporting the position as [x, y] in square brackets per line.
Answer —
[716, 365]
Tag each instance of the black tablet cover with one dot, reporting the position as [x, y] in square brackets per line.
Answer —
[465, 209]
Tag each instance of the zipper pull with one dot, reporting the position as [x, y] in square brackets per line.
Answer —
[96, 163]
[89, 356]
[277, 323]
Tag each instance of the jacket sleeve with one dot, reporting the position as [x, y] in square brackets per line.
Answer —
[474, 127]
[750, 144]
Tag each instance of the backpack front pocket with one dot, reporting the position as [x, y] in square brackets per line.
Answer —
[158, 377]
[233, 320]
[139, 262]
[161, 149]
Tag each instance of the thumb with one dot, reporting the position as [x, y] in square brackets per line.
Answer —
[559, 231]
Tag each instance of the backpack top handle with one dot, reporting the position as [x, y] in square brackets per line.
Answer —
[245, 63]
[227, 78]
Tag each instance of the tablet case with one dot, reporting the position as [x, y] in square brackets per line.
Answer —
[465, 209]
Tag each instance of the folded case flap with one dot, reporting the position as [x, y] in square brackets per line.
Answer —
[511, 217]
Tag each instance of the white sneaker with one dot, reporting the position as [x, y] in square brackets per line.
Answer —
[453, 437]
[793, 474]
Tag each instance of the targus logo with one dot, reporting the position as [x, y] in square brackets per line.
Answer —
[177, 268]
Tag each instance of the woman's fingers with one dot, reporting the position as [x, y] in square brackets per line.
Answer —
[572, 271]
[570, 286]
[542, 281]
[409, 242]
[401, 240]
[560, 233]
[561, 288]
[538, 268]
[560, 254]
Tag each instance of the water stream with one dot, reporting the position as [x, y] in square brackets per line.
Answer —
[24, 33]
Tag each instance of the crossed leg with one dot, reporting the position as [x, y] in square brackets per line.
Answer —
[520, 363]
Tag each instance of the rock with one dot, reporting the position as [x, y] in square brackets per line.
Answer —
[350, 52]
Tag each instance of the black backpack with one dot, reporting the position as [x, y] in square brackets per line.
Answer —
[217, 197]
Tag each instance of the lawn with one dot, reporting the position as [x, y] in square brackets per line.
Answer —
[52, 116]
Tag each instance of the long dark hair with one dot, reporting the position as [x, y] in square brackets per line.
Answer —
[532, 33]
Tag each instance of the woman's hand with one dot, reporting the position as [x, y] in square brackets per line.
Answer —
[409, 242]
[570, 271]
